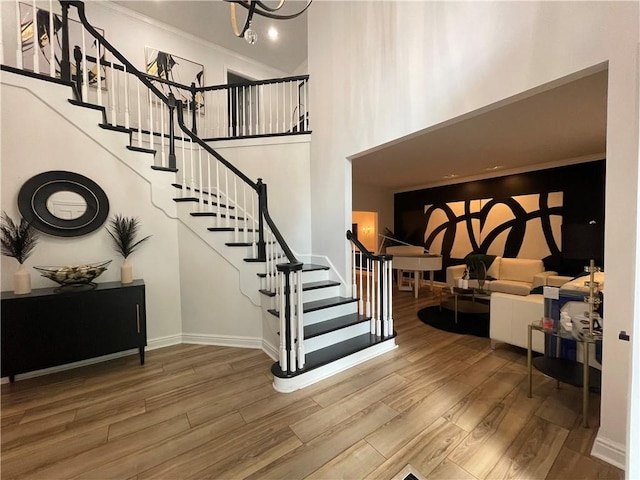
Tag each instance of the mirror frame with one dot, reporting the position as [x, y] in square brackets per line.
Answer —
[33, 196]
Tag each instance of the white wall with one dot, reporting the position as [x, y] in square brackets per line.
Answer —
[374, 199]
[35, 139]
[381, 70]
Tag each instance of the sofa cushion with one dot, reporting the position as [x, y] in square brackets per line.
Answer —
[510, 286]
[520, 269]
[494, 269]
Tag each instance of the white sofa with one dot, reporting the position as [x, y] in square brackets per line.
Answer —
[513, 307]
[507, 275]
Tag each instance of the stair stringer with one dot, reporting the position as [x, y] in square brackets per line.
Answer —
[55, 97]
[249, 283]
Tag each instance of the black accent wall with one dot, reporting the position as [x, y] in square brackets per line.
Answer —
[583, 187]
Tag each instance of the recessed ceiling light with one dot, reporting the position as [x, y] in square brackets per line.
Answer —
[273, 33]
[495, 167]
[451, 175]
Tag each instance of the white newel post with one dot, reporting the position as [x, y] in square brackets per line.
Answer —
[126, 98]
[299, 316]
[373, 297]
[98, 74]
[369, 263]
[139, 114]
[385, 299]
[283, 328]
[85, 73]
[292, 323]
[112, 89]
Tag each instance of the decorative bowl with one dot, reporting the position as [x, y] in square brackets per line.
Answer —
[75, 274]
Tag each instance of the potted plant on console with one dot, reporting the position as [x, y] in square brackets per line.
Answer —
[123, 231]
[18, 241]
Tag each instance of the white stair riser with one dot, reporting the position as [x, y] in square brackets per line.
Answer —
[336, 336]
[332, 312]
[286, 385]
[320, 293]
[315, 276]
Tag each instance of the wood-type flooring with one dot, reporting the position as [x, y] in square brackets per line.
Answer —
[441, 405]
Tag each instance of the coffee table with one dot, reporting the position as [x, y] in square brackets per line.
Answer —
[467, 302]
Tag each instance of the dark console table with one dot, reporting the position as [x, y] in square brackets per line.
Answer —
[52, 326]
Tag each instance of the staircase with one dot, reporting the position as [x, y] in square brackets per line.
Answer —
[309, 327]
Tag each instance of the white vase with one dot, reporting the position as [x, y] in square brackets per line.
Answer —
[126, 272]
[21, 281]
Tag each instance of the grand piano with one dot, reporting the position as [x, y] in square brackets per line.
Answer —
[416, 259]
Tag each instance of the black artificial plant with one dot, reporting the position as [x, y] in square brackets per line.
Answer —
[124, 231]
[18, 239]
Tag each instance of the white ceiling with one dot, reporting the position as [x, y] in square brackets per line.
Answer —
[211, 21]
[557, 124]
[564, 124]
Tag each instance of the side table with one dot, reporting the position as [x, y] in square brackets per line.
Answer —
[564, 370]
[469, 306]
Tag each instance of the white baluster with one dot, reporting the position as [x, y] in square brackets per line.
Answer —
[360, 301]
[369, 263]
[235, 203]
[226, 198]
[200, 181]
[299, 316]
[52, 55]
[192, 178]
[164, 162]
[151, 138]
[126, 98]
[98, 73]
[112, 87]
[354, 286]
[283, 329]
[237, 132]
[270, 108]
[385, 299]
[390, 302]
[209, 190]
[306, 107]
[230, 95]
[245, 232]
[219, 200]
[139, 114]
[85, 73]
[373, 298]
[277, 87]
[249, 104]
[183, 170]
[378, 300]
[293, 110]
[18, 36]
[36, 40]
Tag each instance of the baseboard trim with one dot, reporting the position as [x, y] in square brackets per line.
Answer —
[162, 342]
[288, 385]
[610, 452]
[222, 340]
[270, 350]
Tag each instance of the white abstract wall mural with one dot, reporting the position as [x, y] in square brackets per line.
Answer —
[527, 226]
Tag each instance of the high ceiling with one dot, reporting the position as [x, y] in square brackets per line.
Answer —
[550, 126]
[211, 21]
[559, 125]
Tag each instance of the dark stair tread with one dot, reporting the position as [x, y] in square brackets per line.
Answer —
[331, 353]
[179, 186]
[307, 267]
[141, 149]
[316, 305]
[115, 128]
[333, 324]
[220, 229]
[92, 106]
[319, 284]
[164, 169]
[306, 287]
[239, 244]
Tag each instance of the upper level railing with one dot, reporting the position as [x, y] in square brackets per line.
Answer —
[148, 108]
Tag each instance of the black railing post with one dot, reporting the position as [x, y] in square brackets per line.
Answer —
[262, 207]
[194, 128]
[77, 56]
[65, 65]
[172, 138]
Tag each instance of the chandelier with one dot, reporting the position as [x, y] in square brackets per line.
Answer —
[260, 8]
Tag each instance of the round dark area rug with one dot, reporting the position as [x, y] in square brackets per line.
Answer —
[468, 323]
